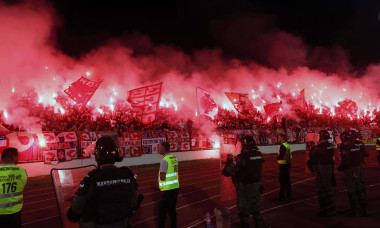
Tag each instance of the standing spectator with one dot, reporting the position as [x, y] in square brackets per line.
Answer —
[169, 184]
[284, 160]
[11, 189]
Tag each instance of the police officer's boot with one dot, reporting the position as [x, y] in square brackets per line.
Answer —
[259, 223]
[331, 211]
[363, 206]
[354, 208]
[322, 206]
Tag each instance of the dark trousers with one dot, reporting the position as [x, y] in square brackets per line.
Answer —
[11, 220]
[167, 205]
[324, 181]
[357, 191]
[285, 185]
[248, 203]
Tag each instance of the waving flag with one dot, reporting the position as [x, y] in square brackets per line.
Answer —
[82, 90]
[145, 101]
[349, 106]
[272, 109]
[300, 102]
[241, 103]
[206, 105]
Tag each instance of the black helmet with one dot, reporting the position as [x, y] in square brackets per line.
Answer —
[345, 136]
[247, 142]
[324, 135]
[354, 134]
[106, 151]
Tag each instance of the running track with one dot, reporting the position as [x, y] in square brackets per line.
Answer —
[199, 193]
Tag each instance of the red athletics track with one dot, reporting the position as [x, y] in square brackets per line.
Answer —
[199, 193]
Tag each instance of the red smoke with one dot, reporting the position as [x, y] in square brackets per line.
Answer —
[30, 61]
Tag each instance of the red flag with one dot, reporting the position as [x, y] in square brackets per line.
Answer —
[300, 102]
[82, 90]
[145, 101]
[272, 109]
[242, 104]
[206, 105]
[349, 106]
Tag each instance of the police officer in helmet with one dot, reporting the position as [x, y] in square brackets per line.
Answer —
[246, 174]
[322, 162]
[107, 196]
[358, 144]
[352, 175]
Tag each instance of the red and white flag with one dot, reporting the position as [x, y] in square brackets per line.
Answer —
[206, 105]
[349, 106]
[82, 90]
[145, 102]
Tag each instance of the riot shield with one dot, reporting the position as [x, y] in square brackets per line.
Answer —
[227, 188]
[66, 182]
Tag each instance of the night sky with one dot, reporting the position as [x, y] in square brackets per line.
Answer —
[197, 24]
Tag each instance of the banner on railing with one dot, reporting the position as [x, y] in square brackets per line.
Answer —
[179, 141]
[59, 146]
[86, 138]
[151, 141]
[26, 144]
[228, 137]
[130, 145]
[199, 141]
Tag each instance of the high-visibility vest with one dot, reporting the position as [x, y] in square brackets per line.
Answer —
[12, 183]
[287, 159]
[171, 181]
[377, 145]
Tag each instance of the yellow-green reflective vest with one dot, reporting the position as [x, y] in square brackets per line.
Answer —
[12, 183]
[377, 145]
[171, 181]
[287, 159]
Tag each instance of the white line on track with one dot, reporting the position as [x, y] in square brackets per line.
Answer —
[182, 194]
[185, 185]
[40, 209]
[197, 177]
[39, 201]
[203, 220]
[52, 192]
[178, 208]
[34, 221]
[302, 200]
[265, 166]
[37, 190]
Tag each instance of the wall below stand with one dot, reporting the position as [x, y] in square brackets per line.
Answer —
[41, 169]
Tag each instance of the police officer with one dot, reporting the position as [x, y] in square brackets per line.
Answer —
[322, 162]
[359, 144]
[378, 147]
[107, 196]
[12, 183]
[352, 175]
[168, 182]
[246, 175]
[284, 160]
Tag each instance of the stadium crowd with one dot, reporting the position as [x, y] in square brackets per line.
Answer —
[120, 118]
